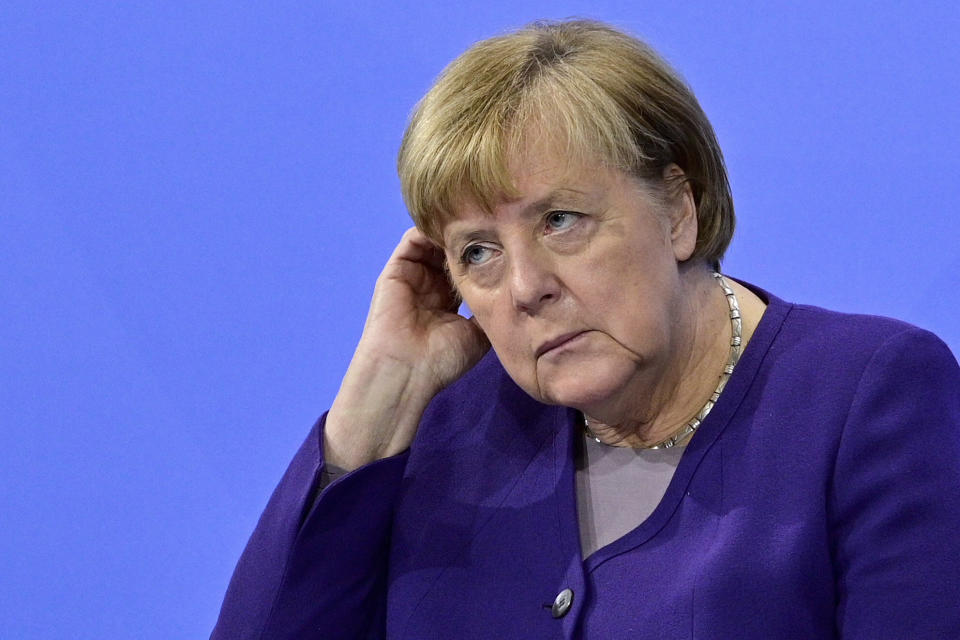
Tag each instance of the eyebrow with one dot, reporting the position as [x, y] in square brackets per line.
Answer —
[469, 236]
[551, 198]
[534, 208]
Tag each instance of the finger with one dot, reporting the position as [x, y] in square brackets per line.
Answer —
[417, 247]
[455, 299]
[430, 285]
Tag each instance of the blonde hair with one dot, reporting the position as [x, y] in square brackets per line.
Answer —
[601, 94]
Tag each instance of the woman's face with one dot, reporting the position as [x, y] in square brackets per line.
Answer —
[576, 282]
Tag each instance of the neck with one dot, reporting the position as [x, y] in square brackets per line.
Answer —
[670, 395]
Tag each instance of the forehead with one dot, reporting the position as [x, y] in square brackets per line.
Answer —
[537, 188]
[544, 177]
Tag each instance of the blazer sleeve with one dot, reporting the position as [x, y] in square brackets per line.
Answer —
[315, 566]
[895, 497]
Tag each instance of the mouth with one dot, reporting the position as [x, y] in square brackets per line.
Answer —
[557, 342]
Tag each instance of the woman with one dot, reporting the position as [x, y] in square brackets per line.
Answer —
[650, 449]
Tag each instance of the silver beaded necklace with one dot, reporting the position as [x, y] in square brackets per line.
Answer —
[736, 325]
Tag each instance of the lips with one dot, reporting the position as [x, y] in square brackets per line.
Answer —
[560, 340]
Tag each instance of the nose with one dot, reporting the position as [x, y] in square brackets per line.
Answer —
[533, 279]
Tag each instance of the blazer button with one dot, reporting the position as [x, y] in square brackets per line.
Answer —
[562, 603]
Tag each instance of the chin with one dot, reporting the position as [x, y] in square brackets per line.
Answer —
[585, 388]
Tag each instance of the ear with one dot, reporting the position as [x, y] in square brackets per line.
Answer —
[683, 213]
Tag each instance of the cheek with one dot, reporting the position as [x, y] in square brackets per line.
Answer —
[629, 295]
[476, 305]
[483, 310]
[608, 281]
[499, 328]
[508, 341]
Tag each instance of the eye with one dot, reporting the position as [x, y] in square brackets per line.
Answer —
[561, 220]
[476, 254]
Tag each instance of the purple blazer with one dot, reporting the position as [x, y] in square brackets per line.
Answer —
[819, 499]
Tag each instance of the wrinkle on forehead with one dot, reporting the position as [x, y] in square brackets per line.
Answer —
[544, 177]
[541, 140]
[541, 155]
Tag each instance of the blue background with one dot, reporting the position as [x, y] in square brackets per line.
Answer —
[196, 198]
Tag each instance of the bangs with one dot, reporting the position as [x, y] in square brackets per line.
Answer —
[462, 150]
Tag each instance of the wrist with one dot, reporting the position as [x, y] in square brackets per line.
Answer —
[376, 412]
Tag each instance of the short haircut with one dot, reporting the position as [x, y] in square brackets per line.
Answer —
[603, 95]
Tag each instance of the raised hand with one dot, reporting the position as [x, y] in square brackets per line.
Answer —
[414, 343]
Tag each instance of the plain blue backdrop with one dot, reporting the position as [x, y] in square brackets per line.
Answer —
[196, 198]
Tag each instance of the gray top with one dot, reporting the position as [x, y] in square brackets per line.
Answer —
[617, 488]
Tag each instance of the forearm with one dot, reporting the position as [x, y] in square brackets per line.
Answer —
[376, 412]
[315, 566]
